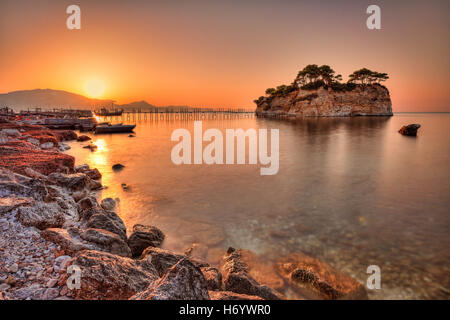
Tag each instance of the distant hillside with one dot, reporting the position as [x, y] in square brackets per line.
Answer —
[137, 105]
[49, 98]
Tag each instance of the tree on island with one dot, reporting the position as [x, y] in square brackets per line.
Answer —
[366, 76]
[312, 73]
[313, 77]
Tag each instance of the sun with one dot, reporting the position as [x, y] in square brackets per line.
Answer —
[94, 88]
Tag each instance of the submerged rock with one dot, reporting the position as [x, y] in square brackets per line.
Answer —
[316, 279]
[143, 237]
[118, 166]
[91, 147]
[105, 276]
[410, 130]
[236, 277]
[83, 138]
[183, 281]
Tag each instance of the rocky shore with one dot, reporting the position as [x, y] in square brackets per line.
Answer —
[50, 220]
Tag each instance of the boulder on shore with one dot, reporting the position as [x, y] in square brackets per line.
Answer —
[106, 276]
[99, 218]
[183, 281]
[107, 241]
[143, 237]
[163, 259]
[109, 204]
[213, 278]
[410, 130]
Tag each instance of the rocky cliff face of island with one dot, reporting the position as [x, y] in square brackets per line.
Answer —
[360, 100]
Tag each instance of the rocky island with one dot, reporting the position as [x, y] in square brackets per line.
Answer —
[318, 92]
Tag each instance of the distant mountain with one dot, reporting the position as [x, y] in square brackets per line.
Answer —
[49, 98]
[136, 105]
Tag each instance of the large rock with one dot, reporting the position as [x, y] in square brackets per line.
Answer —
[364, 100]
[42, 215]
[109, 204]
[9, 203]
[11, 132]
[87, 203]
[143, 237]
[163, 259]
[107, 241]
[236, 278]
[183, 281]
[106, 220]
[68, 242]
[410, 130]
[316, 279]
[213, 278]
[47, 145]
[75, 181]
[94, 174]
[65, 135]
[14, 184]
[105, 276]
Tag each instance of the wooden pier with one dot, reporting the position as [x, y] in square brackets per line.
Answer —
[132, 115]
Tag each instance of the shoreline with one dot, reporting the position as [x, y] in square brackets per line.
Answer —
[50, 219]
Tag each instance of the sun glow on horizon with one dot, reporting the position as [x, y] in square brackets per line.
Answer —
[94, 88]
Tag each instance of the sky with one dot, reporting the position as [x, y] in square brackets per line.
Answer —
[219, 53]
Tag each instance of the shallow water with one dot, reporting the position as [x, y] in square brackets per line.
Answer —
[350, 191]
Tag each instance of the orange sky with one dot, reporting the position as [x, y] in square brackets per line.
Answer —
[219, 53]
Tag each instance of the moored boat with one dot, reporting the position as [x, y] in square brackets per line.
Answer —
[114, 128]
[103, 112]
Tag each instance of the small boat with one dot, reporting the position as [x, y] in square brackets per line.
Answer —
[114, 128]
[103, 112]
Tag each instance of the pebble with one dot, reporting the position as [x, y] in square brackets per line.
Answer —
[51, 283]
[13, 268]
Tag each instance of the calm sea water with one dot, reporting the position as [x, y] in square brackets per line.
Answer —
[350, 191]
